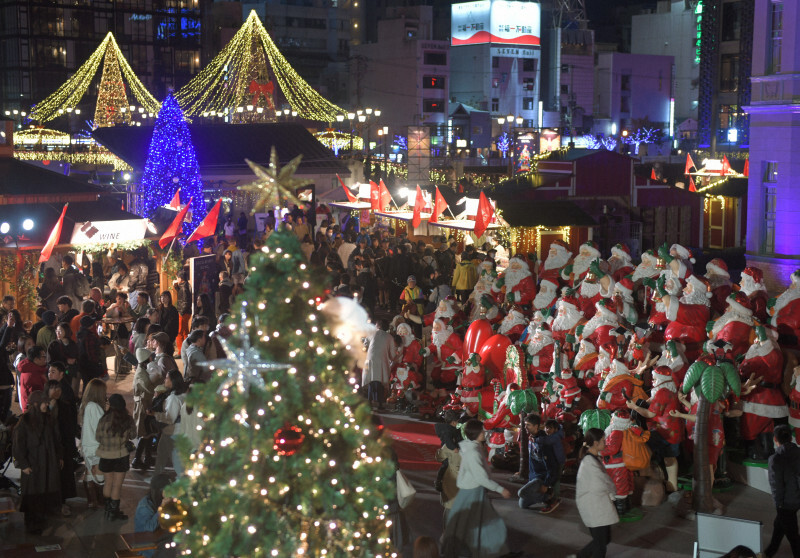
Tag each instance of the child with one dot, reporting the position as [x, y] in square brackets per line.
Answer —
[450, 436]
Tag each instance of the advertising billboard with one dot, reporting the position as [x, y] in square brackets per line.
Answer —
[497, 22]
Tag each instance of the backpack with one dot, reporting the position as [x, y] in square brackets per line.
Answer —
[635, 452]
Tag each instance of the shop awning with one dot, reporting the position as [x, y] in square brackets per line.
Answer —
[462, 225]
[553, 213]
[349, 206]
[402, 215]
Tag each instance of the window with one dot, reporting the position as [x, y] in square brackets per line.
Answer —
[435, 58]
[770, 177]
[728, 116]
[731, 21]
[495, 61]
[729, 72]
[770, 172]
[527, 103]
[564, 89]
[625, 82]
[776, 32]
[495, 104]
[528, 64]
[433, 105]
[625, 104]
[433, 82]
[528, 83]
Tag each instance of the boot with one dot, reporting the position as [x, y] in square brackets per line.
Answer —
[137, 462]
[91, 494]
[619, 503]
[766, 442]
[116, 513]
[108, 515]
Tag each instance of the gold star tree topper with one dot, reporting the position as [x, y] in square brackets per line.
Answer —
[275, 185]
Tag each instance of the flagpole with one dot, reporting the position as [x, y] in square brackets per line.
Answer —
[171, 244]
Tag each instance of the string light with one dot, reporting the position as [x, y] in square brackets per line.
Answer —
[111, 99]
[99, 157]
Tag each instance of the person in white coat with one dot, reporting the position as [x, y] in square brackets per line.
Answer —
[594, 495]
[472, 523]
[93, 407]
[379, 364]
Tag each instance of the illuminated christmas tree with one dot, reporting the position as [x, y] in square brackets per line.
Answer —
[289, 462]
[172, 164]
[112, 102]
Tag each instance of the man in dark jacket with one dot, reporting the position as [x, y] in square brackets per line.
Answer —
[544, 469]
[400, 267]
[183, 305]
[784, 480]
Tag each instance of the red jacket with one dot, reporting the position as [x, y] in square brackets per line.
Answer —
[32, 377]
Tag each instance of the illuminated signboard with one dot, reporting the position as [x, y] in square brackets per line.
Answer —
[524, 150]
[496, 22]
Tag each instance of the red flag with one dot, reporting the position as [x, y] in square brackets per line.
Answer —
[52, 240]
[484, 216]
[726, 165]
[175, 227]
[385, 196]
[691, 185]
[176, 200]
[689, 164]
[653, 174]
[348, 193]
[746, 170]
[374, 196]
[208, 225]
[439, 206]
[419, 203]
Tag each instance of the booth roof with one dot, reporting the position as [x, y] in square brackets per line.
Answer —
[228, 145]
[25, 180]
[45, 215]
[557, 213]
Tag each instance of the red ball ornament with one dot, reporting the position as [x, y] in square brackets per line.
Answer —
[288, 440]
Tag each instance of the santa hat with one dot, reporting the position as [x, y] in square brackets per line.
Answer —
[517, 311]
[700, 284]
[552, 283]
[589, 346]
[755, 273]
[650, 256]
[682, 252]
[568, 301]
[403, 329]
[443, 324]
[609, 348]
[559, 245]
[662, 374]
[620, 420]
[522, 261]
[717, 266]
[605, 305]
[592, 248]
[621, 251]
[739, 303]
[624, 286]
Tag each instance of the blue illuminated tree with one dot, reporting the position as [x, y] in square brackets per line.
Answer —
[172, 164]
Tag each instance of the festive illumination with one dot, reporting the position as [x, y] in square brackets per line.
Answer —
[172, 164]
[67, 97]
[291, 465]
[336, 140]
[276, 186]
[41, 137]
[95, 157]
[504, 143]
[112, 102]
[238, 82]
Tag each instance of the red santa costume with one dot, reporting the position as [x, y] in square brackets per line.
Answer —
[502, 419]
[580, 265]
[557, 259]
[449, 312]
[513, 325]
[720, 282]
[600, 328]
[519, 284]
[620, 263]
[794, 405]
[657, 320]
[716, 431]
[568, 393]
[647, 269]
[752, 285]
[623, 300]
[482, 303]
[409, 352]
[638, 346]
[547, 296]
[735, 326]
[612, 454]
[539, 351]
[591, 292]
[566, 320]
[663, 399]
[446, 348]
[471, 387]
[674, 357]
[689, 315]
[766, 402]
[618, 386]
[786, 312]
[584, 365]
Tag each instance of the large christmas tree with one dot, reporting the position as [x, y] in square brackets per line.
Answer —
[172, 164]
[290, 463]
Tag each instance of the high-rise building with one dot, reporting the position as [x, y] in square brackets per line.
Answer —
[43, 42]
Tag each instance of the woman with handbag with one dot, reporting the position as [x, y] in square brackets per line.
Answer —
[114, 433]
[93, 406]
[472, 522]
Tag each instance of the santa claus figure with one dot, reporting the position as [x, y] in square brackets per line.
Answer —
[674, 358]
[449, 312]
[568, 393]
[638, 347]
[785, 312]
[513, 325]
[557, 259]
[689, 315]
[406, 385]
[794, 404]
[720, 282]
[657, 320]
[409, 356]
[618, 386]
[487, 272]
[539, 351]
[735, 326]
[566, 321]
[501, 420]
[446, 348]
[585, 359]
[614, 462]
[580, 265]
[647, 269]
[752, 285]
[683, 254]
[520, 287]
[547, 296]
[620, 263]
[766, 402]
[662, 425]
[600, 328]
[471, 386]
[483, 304]
[623, 301]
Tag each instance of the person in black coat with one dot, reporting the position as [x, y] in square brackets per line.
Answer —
[6, 376]
[65, 415]
[400, 267]
[784, 480]
[168, 317]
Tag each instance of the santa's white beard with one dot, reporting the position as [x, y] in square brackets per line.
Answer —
[717, 280]
[402, 374]
[514, 276]
[558, 260]
[601, 318]
[407, 339]
[543, 299]
[616, 262]
[582, 352]
[695, 297]
[510, 322]
[581, 264]
[601, 365]
[749, 286]
[665, 383]
[566, 321]
[590, 290]
[439, 338]
[449, 313]
[760, 349]
[534, 347]
[644, 270]
[618, 423]
[479, 290]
